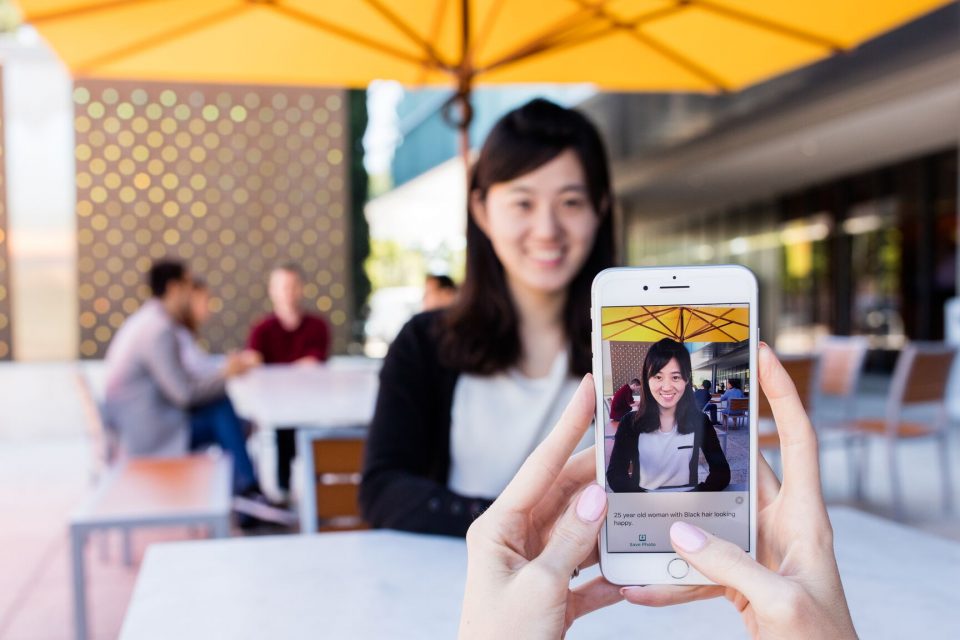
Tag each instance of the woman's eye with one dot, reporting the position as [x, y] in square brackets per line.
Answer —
[523, 205]
[574, 204]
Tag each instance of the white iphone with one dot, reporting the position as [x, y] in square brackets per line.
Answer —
[674, 362]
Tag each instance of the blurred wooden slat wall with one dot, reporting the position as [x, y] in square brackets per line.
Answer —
[232, 179]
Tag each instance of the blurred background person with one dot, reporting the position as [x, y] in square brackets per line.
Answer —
[703, 396]
[158, 405]
[289, 335]
[439, 291]
[622, 402]
[733, 391]
[193, 355]
[467, 392]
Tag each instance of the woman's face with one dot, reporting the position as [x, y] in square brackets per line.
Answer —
[667, 385]
[200, 306]
[541, 224]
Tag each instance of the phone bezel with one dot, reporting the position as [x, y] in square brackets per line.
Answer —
[687, 285]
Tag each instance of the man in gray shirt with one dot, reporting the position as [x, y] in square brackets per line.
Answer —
[158, 406]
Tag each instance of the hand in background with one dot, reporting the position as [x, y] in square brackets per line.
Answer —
[795, 587]
[238, 363]
[523, 550]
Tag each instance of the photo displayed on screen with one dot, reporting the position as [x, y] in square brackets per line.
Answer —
[676, 387]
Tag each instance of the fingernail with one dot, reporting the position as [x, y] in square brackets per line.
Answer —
[687, 537]
[591, 503]
[628, 590]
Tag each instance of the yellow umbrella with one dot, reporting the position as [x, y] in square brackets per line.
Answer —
[683, 324]
[651, 45]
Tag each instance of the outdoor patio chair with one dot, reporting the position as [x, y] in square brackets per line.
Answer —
[836, 382]
[737, 411]
[332, 466]
[919, 381]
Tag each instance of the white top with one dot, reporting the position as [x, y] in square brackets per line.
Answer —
[665, 458]
[497, 421]
[194, 358]
[304, 586]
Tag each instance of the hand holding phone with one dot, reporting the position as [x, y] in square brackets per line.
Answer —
[523, 550]
[667, 336]
[773, 601]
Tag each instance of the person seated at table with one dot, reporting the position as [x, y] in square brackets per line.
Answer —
[194, 357]
[658, 446]
[439, 291]
[622, 402]
[158, 405]
[734, 392]
[467, 392]
[543, 528]
[289, 335]
[703, 395]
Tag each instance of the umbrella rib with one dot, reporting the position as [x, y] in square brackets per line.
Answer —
[550, 42]
[487, 28]
[323, 25]
[80, 10]
[435, 27]
[408, 31]
[720, 329]
[627, 319]
[657, 318]
[653, 329]
[159, 39]
[768, 24]
[544, 41]
[681, 60]
[723, 316]
[633, 25]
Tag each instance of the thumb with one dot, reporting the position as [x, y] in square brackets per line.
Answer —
[575, 534]
[725, 563]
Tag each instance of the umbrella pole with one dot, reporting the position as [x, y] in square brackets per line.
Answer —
[463, 130]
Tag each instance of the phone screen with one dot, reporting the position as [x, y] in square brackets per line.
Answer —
[676, 388]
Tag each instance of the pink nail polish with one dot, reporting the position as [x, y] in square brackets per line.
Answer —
[591, 503]
[687, 537]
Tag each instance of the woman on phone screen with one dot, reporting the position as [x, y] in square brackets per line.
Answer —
[657, 447]
[467, 392]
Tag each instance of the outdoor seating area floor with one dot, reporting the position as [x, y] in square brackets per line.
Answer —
[45, 470]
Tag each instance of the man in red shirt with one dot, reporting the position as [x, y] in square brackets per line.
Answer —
[622, 402]
[289, 335]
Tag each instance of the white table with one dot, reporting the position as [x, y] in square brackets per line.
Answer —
[330, 399]
[276, 396]
[149, 492]
[899, 583]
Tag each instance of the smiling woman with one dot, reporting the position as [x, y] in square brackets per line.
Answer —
[658, 446]
[468, 392]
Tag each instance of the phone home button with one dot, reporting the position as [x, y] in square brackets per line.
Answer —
[678, 568]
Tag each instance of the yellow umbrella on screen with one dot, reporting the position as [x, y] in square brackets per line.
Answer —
[632, 45]
[680, 323]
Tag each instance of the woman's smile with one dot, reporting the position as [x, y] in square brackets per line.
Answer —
[547, 257]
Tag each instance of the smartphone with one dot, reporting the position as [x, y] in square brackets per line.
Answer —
[674, 362]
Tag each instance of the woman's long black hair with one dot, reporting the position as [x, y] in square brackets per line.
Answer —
[647, 415]
[480, 332]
